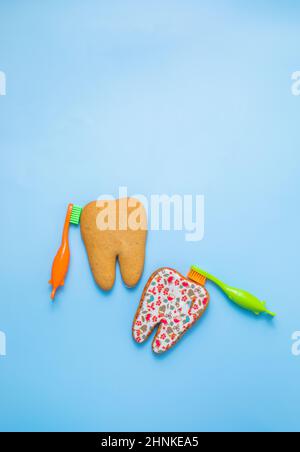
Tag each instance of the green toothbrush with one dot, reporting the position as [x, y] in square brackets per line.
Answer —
[240, 297]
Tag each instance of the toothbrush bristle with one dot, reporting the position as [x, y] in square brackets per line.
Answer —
[197, 277]
[75, 215]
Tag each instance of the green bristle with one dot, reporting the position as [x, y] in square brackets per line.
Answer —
[75, 215]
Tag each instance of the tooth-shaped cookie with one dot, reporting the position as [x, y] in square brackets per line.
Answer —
[171, 301]
[111, 230]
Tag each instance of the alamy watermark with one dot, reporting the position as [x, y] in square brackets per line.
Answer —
[155, 212]
[2, 344]
[2, 83]
[296, 343]
[296, 83]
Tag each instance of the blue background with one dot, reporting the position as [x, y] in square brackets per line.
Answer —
[186, 97]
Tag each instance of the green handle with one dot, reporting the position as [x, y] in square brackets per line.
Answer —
[217, 281]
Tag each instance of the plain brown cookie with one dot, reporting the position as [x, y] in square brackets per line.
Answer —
[115, 229]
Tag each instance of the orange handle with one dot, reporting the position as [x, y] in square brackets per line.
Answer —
[61, 261]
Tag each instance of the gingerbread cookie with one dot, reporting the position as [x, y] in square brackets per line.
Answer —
[111, 230]
[171, 301]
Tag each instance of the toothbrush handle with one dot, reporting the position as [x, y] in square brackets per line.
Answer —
[65, 233]
[61, 261]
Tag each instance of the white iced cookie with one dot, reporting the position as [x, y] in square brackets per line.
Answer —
[171, 301]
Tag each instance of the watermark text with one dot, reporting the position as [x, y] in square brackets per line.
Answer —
[2, 344]
[2, 83]
[296, 343]
[156, 212]
[296, 83]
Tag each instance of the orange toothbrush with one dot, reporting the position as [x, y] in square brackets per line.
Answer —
[61, 261]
